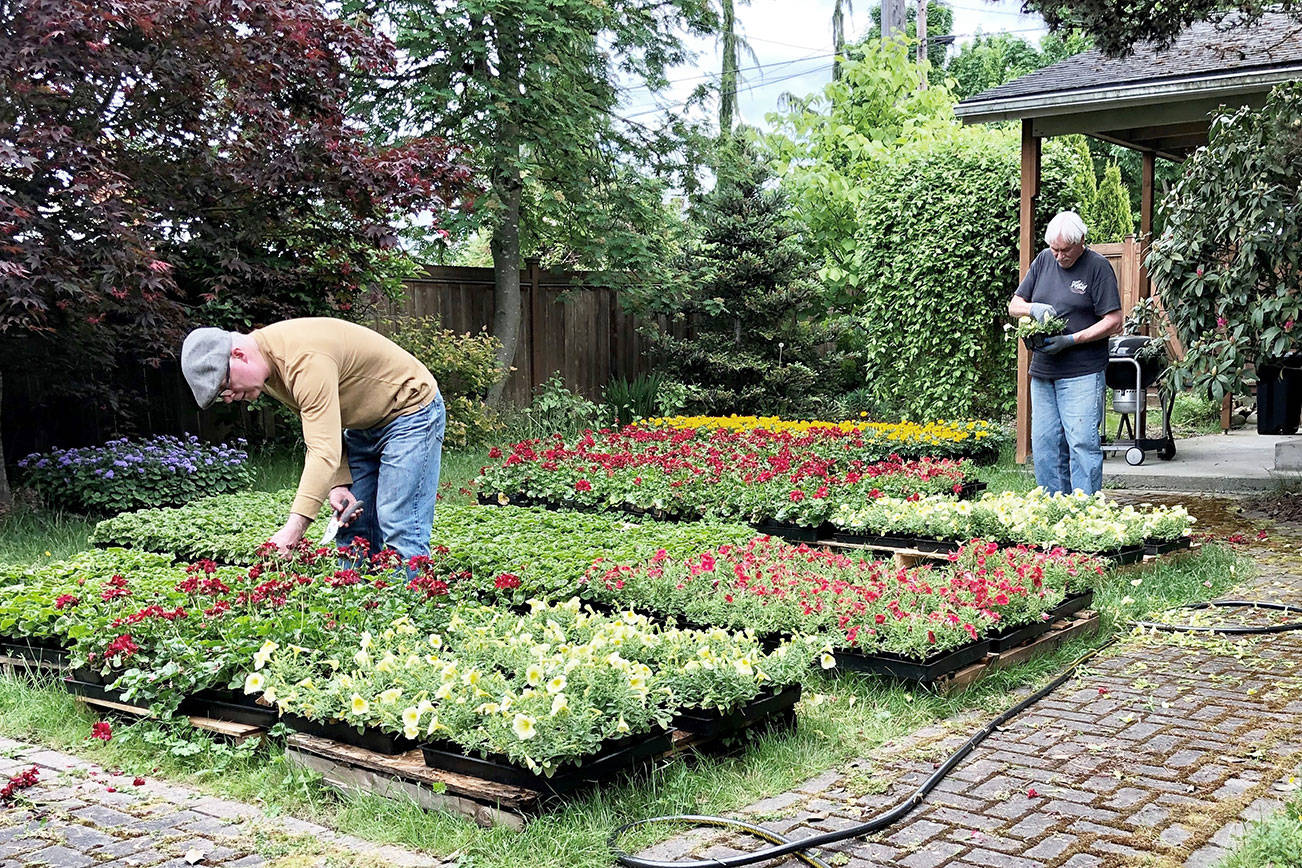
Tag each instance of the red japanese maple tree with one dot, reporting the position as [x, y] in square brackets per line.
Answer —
[160, 158]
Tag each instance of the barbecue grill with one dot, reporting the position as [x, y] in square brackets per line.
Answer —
[1135, 364]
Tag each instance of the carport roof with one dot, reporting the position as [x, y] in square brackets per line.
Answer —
[1154, 99]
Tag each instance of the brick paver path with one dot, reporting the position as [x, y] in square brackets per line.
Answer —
[81, 815]
[1155, 755]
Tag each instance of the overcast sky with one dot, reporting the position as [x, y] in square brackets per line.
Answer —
[793, 42]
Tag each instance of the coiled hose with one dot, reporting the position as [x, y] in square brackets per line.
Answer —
[783, 846]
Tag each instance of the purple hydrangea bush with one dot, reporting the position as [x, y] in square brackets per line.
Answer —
[128, 474]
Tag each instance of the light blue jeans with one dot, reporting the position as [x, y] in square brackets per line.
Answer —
[395, 470]
[1065, 419]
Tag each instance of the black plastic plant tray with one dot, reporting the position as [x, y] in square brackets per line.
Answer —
[620, 756]
[36, 650]
[1124, 555]
[906, 669]
[1015, 636]
[95, 691]
[971, 489]
[1163, 546]
[369, 738]
[984, 455]
[229, 706]
[713, 723]
[889, 541]
[789, 532]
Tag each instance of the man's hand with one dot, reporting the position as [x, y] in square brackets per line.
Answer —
[342, 500]
[292, 532]
[1057, 344]
[1041, 312]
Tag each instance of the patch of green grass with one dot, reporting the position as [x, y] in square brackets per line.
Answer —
[1007, 474]
[1273, 842]
[843, 716]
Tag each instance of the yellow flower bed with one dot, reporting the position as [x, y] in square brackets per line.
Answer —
[941, 431]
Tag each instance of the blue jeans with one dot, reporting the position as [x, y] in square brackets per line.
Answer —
[1065, 418]
[395, 470]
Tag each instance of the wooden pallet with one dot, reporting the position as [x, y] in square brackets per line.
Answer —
[909, 557]
[405, 776]
[236, 732]
[15, 666]
[1064, 630]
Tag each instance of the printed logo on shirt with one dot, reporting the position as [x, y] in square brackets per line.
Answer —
[1079, 287]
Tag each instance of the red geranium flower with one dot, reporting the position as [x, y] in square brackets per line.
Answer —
[102, 731]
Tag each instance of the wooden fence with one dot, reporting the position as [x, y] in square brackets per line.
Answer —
[566, 326]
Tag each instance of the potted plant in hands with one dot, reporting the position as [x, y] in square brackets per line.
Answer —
[1033, 332]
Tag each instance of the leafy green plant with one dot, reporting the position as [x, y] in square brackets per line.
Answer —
[124, 474]
[466, 367]
[1228, 272]
[555, 409]
[635, 399]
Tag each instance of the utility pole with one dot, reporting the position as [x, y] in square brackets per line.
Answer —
[892, 19]
[922, 44]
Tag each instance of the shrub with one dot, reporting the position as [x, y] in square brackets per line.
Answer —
[465, 366]
[125, 474]
[557, 410]
[934, 264]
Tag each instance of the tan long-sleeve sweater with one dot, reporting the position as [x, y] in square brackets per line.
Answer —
[337, 374]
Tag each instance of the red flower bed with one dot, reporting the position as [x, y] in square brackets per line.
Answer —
[754, 475]
[874, 606]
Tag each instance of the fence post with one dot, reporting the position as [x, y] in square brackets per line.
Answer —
[535, 313]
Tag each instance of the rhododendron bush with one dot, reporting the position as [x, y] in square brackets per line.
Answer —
[871, 606]
[753, 475]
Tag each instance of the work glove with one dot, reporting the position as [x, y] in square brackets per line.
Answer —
[1057, 344]
[1041, 311]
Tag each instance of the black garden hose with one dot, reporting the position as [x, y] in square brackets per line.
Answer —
[783, 846]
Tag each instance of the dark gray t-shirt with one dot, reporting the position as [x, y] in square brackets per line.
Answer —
[1082, 295]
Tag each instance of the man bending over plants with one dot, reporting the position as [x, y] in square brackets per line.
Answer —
[373, 421]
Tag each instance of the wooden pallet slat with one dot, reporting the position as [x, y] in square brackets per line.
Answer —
[1064, 630]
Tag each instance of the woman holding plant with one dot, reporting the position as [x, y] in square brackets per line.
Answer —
[1078, 287]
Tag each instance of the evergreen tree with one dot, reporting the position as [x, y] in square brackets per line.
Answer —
[1084, 182]
[747, 348]
[1110, 218]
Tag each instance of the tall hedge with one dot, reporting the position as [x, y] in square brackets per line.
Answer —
[936, 259]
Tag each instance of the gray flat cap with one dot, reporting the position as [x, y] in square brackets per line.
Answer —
[206, 361]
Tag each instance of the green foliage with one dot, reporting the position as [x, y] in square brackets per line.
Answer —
[645, 396]
[1228, 263]
[933, 261]
[123, 474]
[1272, 840]
[465, 366]
[749, 346]
[940, 21]
[1084, 181]
[827, 149]
[557, 410]
[989, 61]
[1109, 217]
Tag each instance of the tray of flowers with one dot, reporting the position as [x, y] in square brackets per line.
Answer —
[922, 671]
[613, 757]
[34, 649]
[1122, 555]
[368, 737]
[1012, 636]
[709, 723]
[1165, 546]
[789, 531]
[230, 706]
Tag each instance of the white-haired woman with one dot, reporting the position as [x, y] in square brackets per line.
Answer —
[1074, 283]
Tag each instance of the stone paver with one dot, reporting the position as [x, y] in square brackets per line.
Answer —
[79, 814]
[1158, 754]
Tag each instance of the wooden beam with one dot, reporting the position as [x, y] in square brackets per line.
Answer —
[1026, 253]
[1147, 165]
